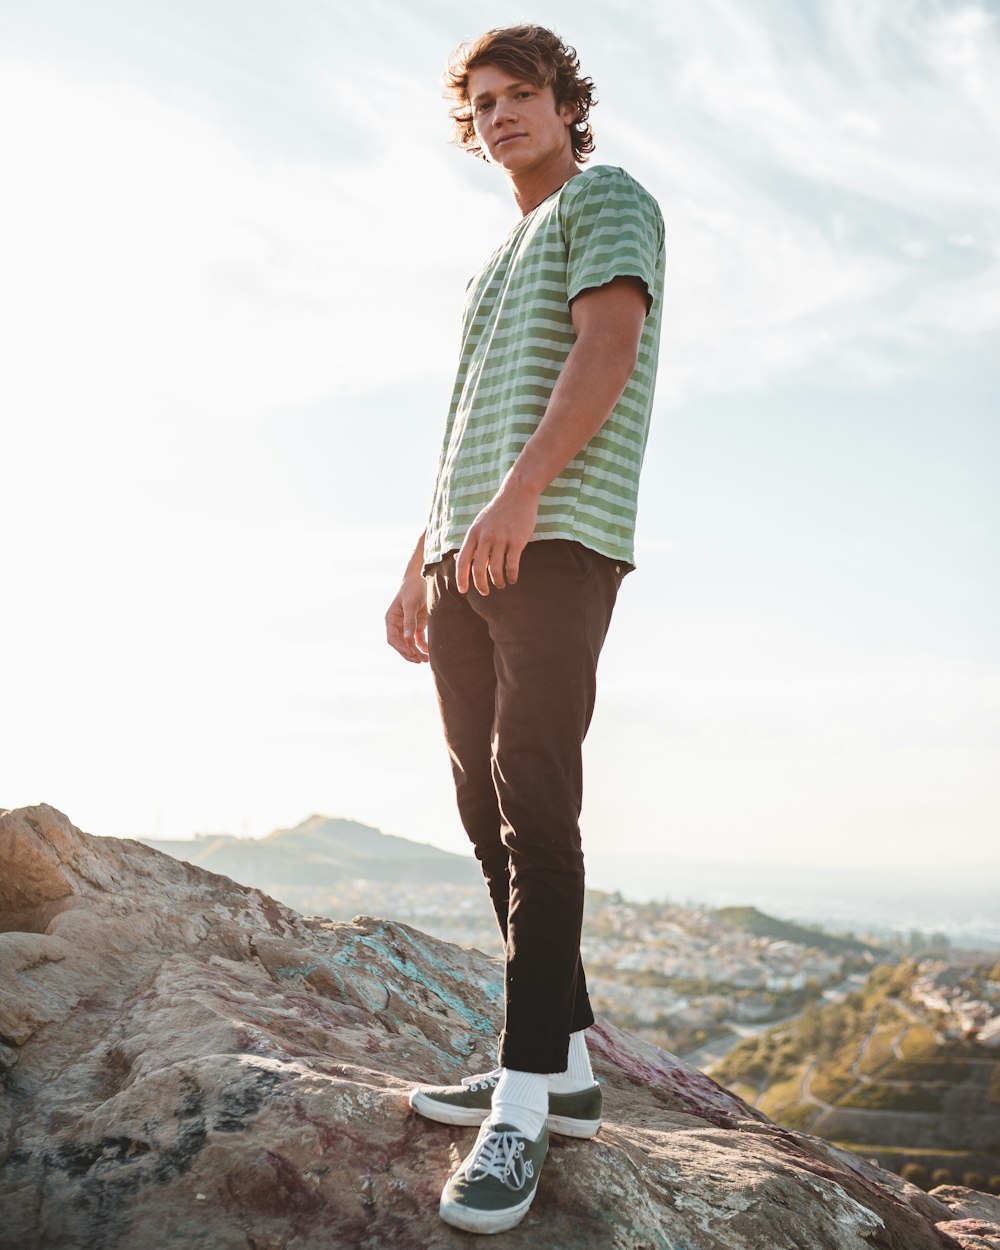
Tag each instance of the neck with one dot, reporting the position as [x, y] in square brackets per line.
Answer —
[530, 186]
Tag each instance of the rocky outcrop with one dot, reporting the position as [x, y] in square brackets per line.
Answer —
[188, 1063]
[975, 1219]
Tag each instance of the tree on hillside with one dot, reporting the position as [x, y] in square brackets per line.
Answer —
[915, 1173]
[811, 1029]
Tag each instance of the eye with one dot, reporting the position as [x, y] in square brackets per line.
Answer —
[483, 106]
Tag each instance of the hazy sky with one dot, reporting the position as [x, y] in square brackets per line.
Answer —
[233, 250]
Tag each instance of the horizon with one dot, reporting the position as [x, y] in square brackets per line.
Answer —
[956, 899]
[231, 305]
[921, 872]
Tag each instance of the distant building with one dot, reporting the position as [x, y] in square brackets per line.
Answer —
[989, 1034]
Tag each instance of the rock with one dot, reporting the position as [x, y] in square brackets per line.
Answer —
[976, 1217]
[969, 1203]
[188, 1063]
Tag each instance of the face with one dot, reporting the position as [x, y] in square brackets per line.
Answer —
[516, 122]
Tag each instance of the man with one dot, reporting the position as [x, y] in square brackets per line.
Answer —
[510, 590]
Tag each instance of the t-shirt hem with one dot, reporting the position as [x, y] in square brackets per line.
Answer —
[625, 555]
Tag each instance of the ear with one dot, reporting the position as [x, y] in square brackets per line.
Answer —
[568, 111]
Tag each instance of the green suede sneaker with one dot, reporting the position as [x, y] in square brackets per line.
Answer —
[495, 1184]
[570, 1115]
[468, 1103]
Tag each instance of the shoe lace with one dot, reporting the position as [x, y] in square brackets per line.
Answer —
[500, 1155]
[485, 1080]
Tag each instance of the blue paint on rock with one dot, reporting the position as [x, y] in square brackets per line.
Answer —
[413, 973]
[296, 970]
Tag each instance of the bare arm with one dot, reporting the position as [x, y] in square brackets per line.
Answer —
[608, 322]
[406, 619]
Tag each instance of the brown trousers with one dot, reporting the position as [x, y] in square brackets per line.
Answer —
[515, 673]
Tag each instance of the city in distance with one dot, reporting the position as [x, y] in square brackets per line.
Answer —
[954, 899]
[959, 900]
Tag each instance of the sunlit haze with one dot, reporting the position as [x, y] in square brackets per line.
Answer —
[234, 246]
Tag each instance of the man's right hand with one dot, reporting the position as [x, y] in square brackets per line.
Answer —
[406, 620]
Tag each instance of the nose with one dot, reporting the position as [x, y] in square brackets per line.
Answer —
[504, 110]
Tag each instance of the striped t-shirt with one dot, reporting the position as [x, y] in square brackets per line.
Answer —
[516, 335]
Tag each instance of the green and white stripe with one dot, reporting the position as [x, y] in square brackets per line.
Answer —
[516, 336]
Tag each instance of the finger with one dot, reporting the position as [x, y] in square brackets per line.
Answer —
[414, 652]
[480, 571]
[463, 563]
[512, 565]
[400, 644]
[408, 651]
[419, 640]
[496, 564]
[409, 619]
[404, 649]
[395, 633]
[394, 626]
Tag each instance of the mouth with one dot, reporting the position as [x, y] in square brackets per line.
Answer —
[507, 139]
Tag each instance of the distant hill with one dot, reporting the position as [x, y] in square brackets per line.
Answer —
[750, 920]
[322, 853]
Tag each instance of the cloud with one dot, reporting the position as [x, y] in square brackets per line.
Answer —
[158, 257]
[813, 166]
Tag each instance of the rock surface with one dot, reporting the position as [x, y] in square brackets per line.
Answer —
[188, 1063]
[975, 1222]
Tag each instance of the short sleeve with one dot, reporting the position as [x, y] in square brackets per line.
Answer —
[613, 228]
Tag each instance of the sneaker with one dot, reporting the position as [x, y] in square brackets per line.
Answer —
[495, 1184]
[570, 1115]
[468, 1103]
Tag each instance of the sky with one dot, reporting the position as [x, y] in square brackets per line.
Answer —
[234, 240]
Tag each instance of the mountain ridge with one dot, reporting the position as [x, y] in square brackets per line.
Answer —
[321, 850]
[752, 920]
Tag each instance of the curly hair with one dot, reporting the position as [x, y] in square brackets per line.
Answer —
[534, 54]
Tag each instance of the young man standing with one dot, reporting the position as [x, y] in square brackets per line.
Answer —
[510, 590]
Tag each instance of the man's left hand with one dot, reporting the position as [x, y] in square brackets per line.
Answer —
[492, 548]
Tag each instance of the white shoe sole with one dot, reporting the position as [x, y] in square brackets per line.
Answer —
[567, 1127]
[472, 1220]
[466, 1117]
[445, 1113]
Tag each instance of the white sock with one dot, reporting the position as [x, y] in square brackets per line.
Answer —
[521, 1099]
[579, 1074]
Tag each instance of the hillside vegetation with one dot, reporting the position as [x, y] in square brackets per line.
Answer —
[872, 1073]
[750, 920]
